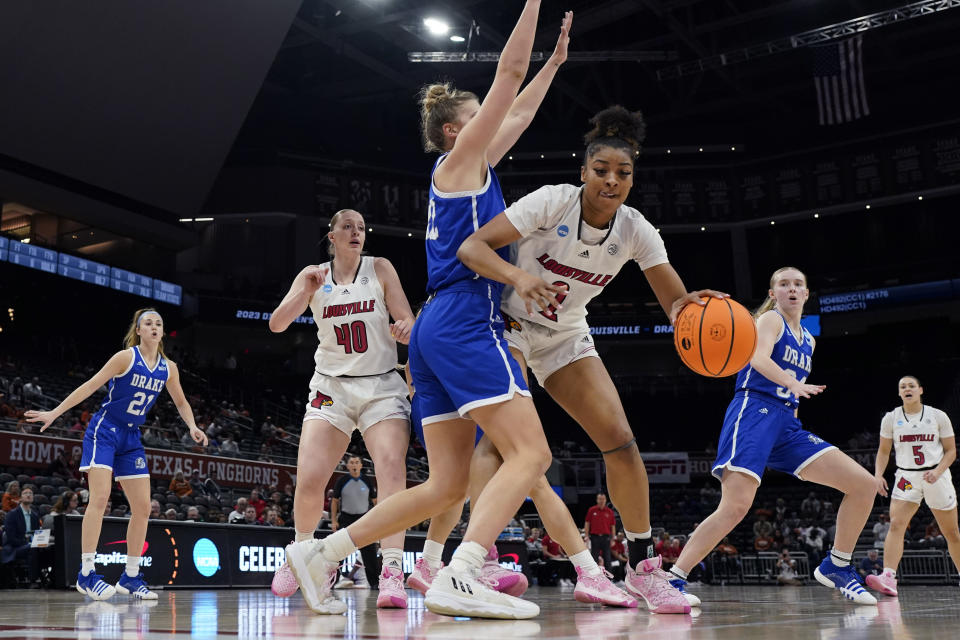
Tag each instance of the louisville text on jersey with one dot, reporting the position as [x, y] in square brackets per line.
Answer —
[337, 310]
[562, 270]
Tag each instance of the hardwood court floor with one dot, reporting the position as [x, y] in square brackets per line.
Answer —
[728, 613]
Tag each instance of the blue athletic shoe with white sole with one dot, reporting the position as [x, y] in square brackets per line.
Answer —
[136, 587]
[93, 585]
[846, 579]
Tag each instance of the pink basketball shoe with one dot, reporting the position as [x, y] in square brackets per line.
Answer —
[284, 583]
[512, 583]
[600, 589]
[422, 576]
[885, 583]
[392, 595]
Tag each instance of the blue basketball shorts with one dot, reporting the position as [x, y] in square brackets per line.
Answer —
[458, 358]
[759, 432]
[116, 447]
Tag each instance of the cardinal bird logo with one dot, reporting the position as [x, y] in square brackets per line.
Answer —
[904, 485]
[322, 400]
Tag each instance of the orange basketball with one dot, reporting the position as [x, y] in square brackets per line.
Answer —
[716, 339]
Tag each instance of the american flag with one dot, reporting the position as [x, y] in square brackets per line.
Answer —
[838, 79]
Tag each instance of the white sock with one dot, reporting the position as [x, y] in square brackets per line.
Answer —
[338, 546]
[433, 554]
[300, 536]
[86, 559]
[585, 561]
[840, 558]
[133, 566]
[890, 572]
[469, 555]
[392, 558]
[677, 571]
[638, 536]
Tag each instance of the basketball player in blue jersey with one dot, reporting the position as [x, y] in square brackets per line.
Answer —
[761, 430]
[112, 448]
[460, 330]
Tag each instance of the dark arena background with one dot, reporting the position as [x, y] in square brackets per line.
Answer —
[189, 156]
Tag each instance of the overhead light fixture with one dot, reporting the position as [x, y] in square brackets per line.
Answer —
[457, 39]
[436, 27]
[25, 241]
[186, 219]
[203, 219]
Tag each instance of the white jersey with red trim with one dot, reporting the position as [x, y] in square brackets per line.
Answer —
[353, 325]
[553, 248]
[916, 436]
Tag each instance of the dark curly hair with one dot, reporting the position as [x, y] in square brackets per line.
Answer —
[617, 128]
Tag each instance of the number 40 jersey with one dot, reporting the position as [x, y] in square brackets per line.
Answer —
[353, 325]
[131, 394]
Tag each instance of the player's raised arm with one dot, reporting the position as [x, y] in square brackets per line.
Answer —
[465, 166]
[298, 298]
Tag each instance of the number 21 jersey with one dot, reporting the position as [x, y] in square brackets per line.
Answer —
[131, 394]
[353, 325]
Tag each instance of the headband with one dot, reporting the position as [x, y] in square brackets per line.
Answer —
[148, 311]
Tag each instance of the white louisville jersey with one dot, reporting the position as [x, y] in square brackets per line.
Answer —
[916, 437]
[353, 325]
[552, 248]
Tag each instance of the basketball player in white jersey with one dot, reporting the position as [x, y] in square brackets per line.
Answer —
[923, 440]
[355, 386]
[578, 238]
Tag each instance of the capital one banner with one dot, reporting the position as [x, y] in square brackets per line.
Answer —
[667, 467]
[38, 452]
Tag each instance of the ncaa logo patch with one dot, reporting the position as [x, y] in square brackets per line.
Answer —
[563, 231]
[612, 249]
[206, 557]
[364, 280]
[814, 439]
[327, 288]
[140, 463]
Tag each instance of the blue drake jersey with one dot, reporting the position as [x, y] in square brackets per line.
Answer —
[791, 354]
[132, 393]
[451, 218]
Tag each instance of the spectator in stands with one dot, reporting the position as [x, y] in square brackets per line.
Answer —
[229, 447]
[786, 569]
[18, 527]
[155, 513]
[813, 542]
[179, 485]
[7, 410]
[557, 562]
[33, 393]
[257, 502]
[880, 530]
[270, 518]
[66, 504]
[762, 527]
[763, 543]
[196, 483]
[236, 516]
[216, 516]
[170, 514]
[210, 486]
[267, 429]
[60, 466]
[933, 537]
[163, 442]
[871, 565]
[780, 511]
[11, 497]
[193, 515]
[108, 509]
[148, 438]
[15, 391]
[811, 507]
[250, 516]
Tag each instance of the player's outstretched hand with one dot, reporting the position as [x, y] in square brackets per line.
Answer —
[694, 297]
[400, 330]
[45, 418]
[804, 390]
[198, 436]
[881, 486]
[536, 292]
[560, 51]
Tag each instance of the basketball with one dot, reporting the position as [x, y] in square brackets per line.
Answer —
[717, 339]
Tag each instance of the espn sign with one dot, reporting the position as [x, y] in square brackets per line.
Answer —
[667, 467]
